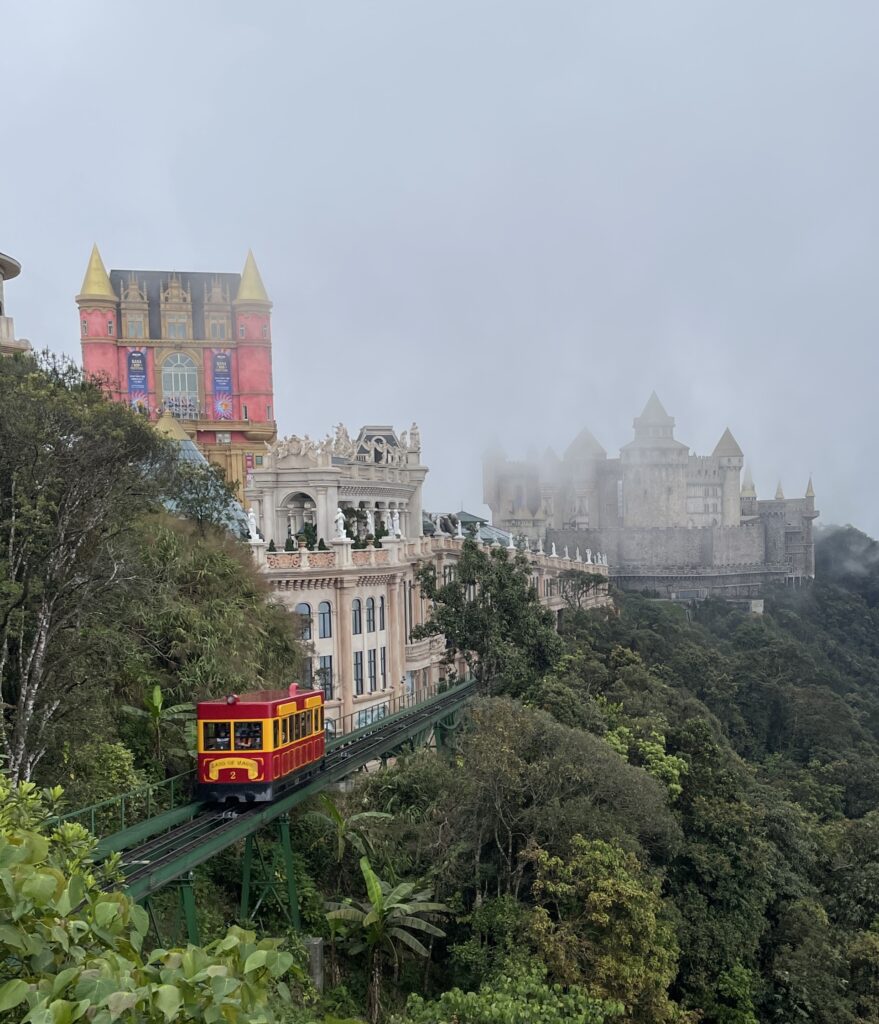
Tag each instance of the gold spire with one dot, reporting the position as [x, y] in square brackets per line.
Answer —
[168, 427]
[810, 490]
[779, 493]
[251, 290]
[96, 283]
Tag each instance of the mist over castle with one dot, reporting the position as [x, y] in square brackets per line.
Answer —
[669, 521]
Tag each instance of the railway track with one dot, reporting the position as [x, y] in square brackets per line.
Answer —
[195, 841]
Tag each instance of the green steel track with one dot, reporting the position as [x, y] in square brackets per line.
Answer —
[172, 844]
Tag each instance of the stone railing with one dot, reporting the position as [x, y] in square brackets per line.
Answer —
[301, 559]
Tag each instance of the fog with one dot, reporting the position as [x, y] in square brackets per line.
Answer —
[504, 220]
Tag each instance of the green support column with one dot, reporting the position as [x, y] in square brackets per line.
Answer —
[245, 878]
[187, 903]
[287, 851]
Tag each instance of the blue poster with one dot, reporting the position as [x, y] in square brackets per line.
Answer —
[222, 385]
[137, 380]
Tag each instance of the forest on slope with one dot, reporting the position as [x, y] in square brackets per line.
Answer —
[658, 814]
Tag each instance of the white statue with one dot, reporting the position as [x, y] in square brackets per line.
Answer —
[251, 525]
[458, 532]
[370, 522]
[404, 440]
[552, 553]
[511, 546]
[577, 556]
[395, 521]
[540, 546]
[340, 524]
[589, 556]
[566, 551]
[414, 438]
[604, 556]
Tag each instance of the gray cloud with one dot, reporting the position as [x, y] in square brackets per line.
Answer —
[499, 218]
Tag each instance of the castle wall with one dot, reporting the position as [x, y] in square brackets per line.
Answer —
[659, 547]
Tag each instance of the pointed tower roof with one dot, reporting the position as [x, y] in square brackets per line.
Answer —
[748, 488]
[251, 290]
[810, 490]
[584, 446]
[96, 283]
[170, 428]
[654, 412]
[728, 446]
[779, 493]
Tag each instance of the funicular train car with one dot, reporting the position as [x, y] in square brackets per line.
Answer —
[254, 746]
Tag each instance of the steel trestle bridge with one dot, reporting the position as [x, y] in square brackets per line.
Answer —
[169, 844]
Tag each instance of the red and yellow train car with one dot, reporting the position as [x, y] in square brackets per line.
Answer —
[254, 746]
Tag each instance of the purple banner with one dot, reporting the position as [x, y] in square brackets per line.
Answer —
[222, 385]
[137, 379]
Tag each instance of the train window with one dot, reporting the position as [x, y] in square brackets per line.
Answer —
[248, 735]
[215, 735]
[276, 733]
[320, 720]
[285, 730]
[297, 728]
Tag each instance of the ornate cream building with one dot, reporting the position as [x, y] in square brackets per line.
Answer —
[360, 603]
[9, 344]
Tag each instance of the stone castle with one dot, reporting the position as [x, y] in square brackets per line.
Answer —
[669, 521]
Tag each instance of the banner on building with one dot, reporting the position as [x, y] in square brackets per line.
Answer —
[222, 385]
[137, 380]
[248, 467]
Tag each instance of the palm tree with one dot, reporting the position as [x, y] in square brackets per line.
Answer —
[347, 830]
[160, 717]
[383, 924]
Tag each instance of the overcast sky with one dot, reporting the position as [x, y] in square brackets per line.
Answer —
[502, 219]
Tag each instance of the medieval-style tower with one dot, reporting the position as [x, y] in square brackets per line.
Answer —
[196, 345]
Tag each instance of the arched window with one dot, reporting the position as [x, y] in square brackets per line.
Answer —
[381, 613]
[370, 615]
[305, 611]
[356, 622]
[180, 386]
[324, 620]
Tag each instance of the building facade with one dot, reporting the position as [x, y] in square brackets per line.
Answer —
[358, 603]
[9, 344]
[669, 521]
[198, 345]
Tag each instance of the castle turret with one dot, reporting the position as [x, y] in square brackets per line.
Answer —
[98, 324]
[729, 466]
[253, 329]
[654, 468]
[779, 492]
[9, 344]
[749, 494]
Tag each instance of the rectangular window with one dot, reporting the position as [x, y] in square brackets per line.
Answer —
[276, 733]
[110, 328]
[244, 415]
[358, 673]
[381, 613]
[370, 615]
[285, 730]
[370, 670]
[224, 437]
[248, 735]
[265, 330]
[242, 333]
[384, 667]
[135, 327]
[268, 412]
[258, 460]
[215, 735]
[85, 326]
[325, 673]
[215, 330]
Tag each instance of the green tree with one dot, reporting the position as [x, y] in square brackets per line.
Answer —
[520, 995]
[490, 614]
[352, 829]
[163, 718]
[200, 493]
[73, 950]
[77, 474]
[600, 922]
[384, 926]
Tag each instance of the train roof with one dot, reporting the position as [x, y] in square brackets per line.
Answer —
[259, 702]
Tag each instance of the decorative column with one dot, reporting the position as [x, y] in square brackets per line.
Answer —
[394, 636]
[344, 670]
